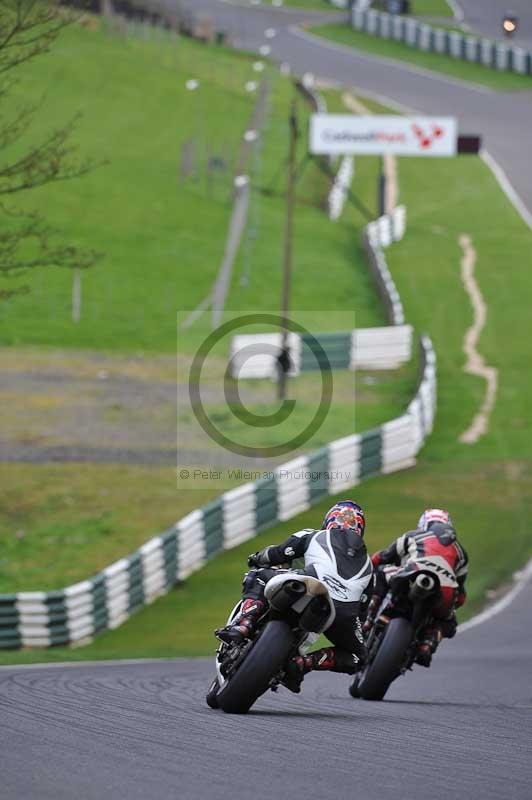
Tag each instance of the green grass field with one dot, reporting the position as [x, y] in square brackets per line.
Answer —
[163, 243]
[486, 486]
[455, 68]
[61, 523]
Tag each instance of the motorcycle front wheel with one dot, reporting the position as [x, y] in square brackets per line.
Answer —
[263, 662]
[386, 666]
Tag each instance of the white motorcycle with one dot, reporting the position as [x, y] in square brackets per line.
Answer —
[299, 609]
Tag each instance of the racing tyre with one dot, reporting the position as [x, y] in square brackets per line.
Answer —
[386, 666]
[212, 694]
[353, 689]
[253, 677]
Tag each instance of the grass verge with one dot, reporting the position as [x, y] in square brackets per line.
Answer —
[59, 520]
[456, 68]
[62, 523]
[311, 5]
[418, 8]
[182, 622]
[430, 8]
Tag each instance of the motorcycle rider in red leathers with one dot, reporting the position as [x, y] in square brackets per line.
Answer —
[434, 536]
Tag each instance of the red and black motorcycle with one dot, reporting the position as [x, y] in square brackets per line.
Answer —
[405, 611]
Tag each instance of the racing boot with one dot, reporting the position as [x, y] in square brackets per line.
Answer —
[244, 625]
[299, 666]
[428, 646]
[295, 671]
[328, 658]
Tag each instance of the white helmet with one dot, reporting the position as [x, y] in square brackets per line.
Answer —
[433, 515]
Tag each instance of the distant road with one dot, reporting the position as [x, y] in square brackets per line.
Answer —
[485, 16]
[503, 119]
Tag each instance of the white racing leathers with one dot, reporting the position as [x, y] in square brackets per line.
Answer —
[340, 560]
[337, 559]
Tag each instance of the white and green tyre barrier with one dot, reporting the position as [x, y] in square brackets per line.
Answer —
[341, 187]
[256, 356]
[76, 613]
[375, 238]
[455, 44]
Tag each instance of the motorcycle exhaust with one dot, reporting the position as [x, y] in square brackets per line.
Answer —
[287, 593]
[423, 585]
[295, 588]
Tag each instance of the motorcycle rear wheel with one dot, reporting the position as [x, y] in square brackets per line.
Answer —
[386, 666]
[253, 677]
[212, 695]
[353, 688]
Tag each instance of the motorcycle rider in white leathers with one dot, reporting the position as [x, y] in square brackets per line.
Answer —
[336, 554]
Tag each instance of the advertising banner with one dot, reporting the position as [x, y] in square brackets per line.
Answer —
[351, 134]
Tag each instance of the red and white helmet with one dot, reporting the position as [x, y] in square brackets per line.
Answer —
[431, 515]
[345, 514]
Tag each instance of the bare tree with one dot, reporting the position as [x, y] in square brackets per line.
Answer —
[29, 28]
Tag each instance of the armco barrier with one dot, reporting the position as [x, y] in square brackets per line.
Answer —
[76, 613]
[419, 35]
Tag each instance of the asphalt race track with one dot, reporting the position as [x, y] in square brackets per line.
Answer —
[462, 729]
[503, 119]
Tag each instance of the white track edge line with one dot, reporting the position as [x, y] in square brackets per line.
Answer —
[456, 8]
[521, 578]
[383, 100]
[109, 662]
[505, 184]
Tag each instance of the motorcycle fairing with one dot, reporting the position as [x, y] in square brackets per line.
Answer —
[436, 566]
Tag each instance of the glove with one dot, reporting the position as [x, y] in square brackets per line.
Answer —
[259, 559]
[376, 559]
[448, 626]
[460, 600]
